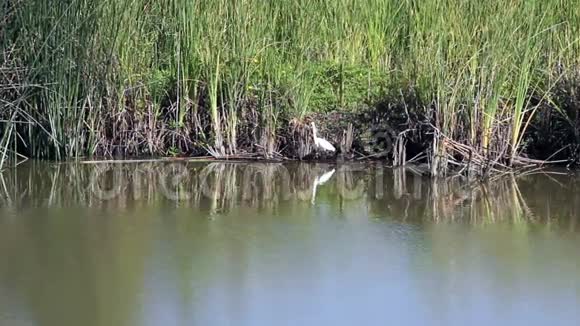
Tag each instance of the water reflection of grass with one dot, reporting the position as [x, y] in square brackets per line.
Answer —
[118, 260]
[220, 187]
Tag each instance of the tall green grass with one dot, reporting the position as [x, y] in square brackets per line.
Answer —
[142, 77]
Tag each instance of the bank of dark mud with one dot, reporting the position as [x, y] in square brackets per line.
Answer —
[394, 130]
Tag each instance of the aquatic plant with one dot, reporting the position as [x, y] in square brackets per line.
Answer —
[141, 77]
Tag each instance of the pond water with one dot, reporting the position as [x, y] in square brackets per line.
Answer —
[296, 244]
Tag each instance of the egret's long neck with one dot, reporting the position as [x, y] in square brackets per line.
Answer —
[314, 191]
[314, 132]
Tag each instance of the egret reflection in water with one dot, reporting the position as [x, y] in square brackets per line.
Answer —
[319, 181]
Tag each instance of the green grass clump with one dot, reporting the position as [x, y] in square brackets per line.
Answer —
[136, 77]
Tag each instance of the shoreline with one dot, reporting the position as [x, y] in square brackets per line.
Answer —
[546, 168]
[368, 135]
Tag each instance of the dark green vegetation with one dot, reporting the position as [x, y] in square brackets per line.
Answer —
[480, 85]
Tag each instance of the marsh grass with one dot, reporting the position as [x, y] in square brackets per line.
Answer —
[170, 77]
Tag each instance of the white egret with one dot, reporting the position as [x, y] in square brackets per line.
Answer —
[321, 142]
[320, 181]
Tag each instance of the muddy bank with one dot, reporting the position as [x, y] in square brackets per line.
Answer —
[396, 132]
[393, 133]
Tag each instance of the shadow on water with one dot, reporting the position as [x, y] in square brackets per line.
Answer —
[401, 194]
[249, 244]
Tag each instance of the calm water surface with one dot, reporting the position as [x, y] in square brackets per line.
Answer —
[257, 244]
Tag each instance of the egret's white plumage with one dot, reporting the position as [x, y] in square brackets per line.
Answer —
[324, 178]
[320, 181]
[321, 142]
